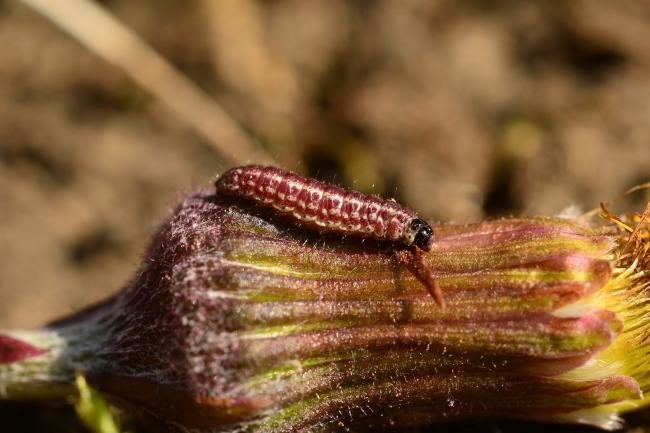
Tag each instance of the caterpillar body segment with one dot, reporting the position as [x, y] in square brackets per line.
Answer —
[329, 208]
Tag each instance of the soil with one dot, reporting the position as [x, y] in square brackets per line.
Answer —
[461, 110]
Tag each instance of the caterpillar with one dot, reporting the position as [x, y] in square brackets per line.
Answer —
[332, 209]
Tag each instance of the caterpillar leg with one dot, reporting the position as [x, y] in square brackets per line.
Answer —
[413, 259]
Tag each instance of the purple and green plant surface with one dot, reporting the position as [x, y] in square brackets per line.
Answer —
[239, 321]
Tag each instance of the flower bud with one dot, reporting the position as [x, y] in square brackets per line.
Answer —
[239, 318]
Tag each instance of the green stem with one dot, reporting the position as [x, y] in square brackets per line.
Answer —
[50, 374]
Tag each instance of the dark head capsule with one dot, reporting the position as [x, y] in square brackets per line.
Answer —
[422, 234]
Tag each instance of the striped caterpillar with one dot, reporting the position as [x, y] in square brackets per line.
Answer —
[329, 208]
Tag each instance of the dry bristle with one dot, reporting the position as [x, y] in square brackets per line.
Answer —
[634, 239]
[628, 295]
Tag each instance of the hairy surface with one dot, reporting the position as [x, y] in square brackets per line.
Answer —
[237, 320]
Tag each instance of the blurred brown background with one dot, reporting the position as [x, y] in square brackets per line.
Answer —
[459, 109]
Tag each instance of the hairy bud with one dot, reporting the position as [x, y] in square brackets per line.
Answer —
[238, 319]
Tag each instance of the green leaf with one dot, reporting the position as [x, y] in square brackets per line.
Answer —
[93, 410]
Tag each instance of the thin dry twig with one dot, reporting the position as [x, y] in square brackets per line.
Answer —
[105, 36]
